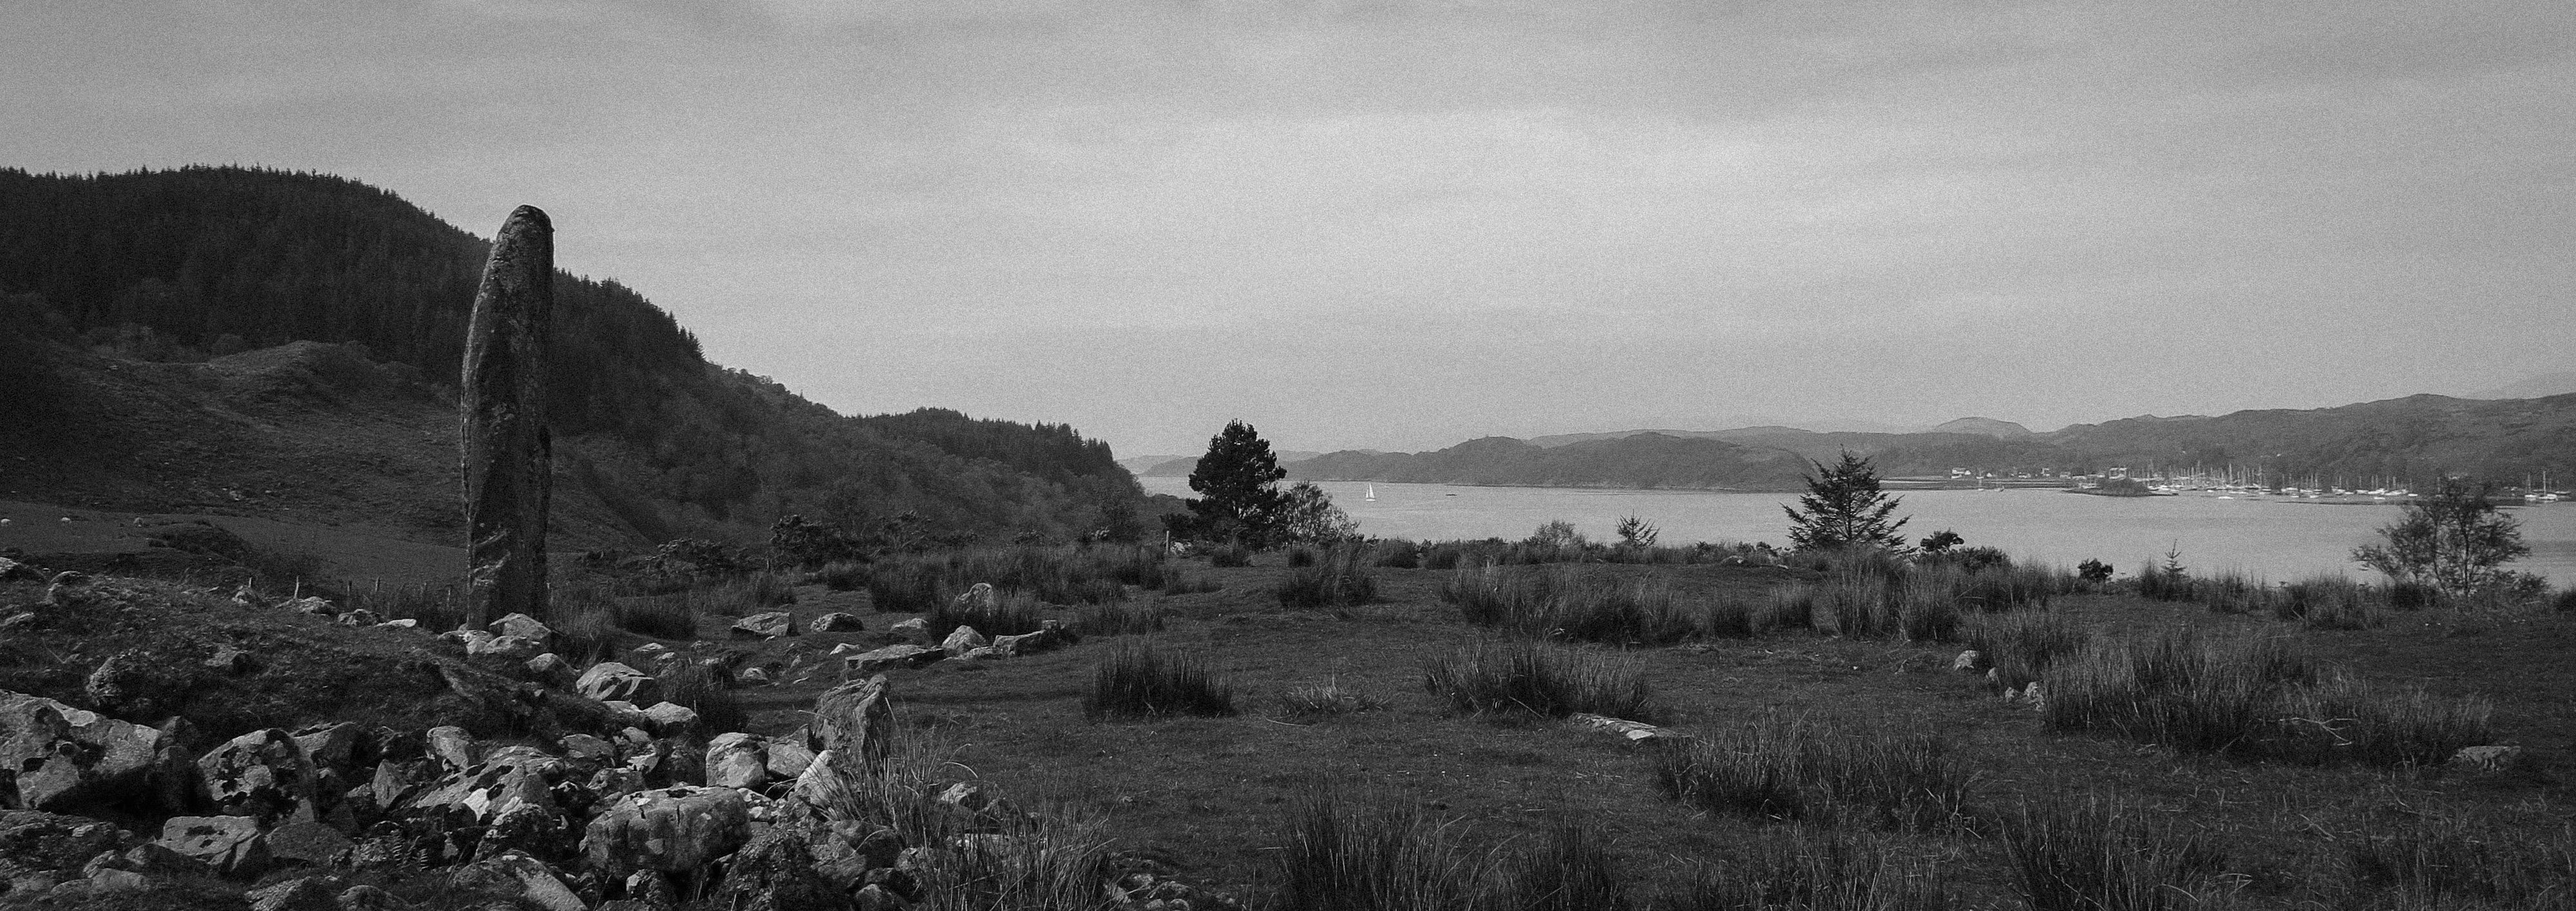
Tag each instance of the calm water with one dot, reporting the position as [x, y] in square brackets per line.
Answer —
[2275, 539]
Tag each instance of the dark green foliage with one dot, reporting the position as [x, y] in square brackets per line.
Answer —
[2104, 856]
[1338, 578]
[1535, 678]
[1238, 485]
[1307, 515]
[2093, 571]
[1228, 556]
[1795, 769]
[208, 261]
[1940, 542]
[1140, 680]
[1843, 507]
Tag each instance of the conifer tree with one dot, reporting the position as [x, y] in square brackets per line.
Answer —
[1843, 506]
[1238, 483]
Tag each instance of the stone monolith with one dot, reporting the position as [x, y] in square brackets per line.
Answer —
[508, 454]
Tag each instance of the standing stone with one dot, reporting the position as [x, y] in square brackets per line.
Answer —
[508, 454]
[855, 720]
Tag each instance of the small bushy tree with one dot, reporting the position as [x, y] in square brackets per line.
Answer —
[2455, 541]
[1307, 516]
[1238, 485]
[1635, 531]
[1843, 506]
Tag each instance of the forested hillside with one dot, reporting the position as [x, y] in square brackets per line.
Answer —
[202, 263]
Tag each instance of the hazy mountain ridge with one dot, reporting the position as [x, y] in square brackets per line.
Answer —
[117, 290]
[2408, 440]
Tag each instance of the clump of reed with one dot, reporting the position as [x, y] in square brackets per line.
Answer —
[1140, 680]
[706, 689]
[2330, 602]
[1010, 615]
[1557, 603]
[1794, 768]
[1335, 577]
[2098, 855]
[2255, 698]
[1327, 699]
[1527, 678]
[1382, 853]
[2019, 647]
[1816, 869]
[1120, 619]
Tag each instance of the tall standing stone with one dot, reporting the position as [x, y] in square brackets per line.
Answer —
[509, 457]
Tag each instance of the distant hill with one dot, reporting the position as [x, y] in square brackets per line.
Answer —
[1181, 466]
[2411, 440]
[2542, 386]
[173, 339]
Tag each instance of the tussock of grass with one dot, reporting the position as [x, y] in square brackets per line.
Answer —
[1344, 854]
[1396, 553]
[2252, 698]
[2330, 602]
[1010, 616]
[1817, 870]
[672, 616]
[843, 575]
[2022, 646]
[1558, 603]
[1536, 678]
[436, 607]
[1573, 870]
[1140, 680]
[2231, 592]
[2445, 859]
[2102, 856]
[707, 691]
[1120, 619]
[1797, 769]
[1730, 617]
[1337, 577]
[585, 624]
[1326, 700]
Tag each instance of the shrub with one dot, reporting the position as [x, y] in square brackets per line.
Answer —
[2022, 646]
[2093, 571]
[2102, 856]
[2166, 581]
[1817, 870]
[1230, 555]
[1794, 769]
[1331, 698]
[660, 616]
[1301, 556]
[843, 575]
[2413, 596]
[1397, 553]
[1140, 680]
[1119, 620]
[1533, 678]
[2329, 602]
[1338, 578]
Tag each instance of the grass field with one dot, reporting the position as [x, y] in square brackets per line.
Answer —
[1216, 797]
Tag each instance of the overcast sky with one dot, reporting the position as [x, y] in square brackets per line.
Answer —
[1400, 225]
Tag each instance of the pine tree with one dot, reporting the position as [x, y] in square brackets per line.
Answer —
[1843, 506]
[1238, 480]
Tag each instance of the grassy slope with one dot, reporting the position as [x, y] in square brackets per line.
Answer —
[1209, 794]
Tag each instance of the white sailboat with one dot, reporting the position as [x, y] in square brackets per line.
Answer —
[1372, 493]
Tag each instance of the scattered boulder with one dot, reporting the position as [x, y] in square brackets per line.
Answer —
[854, 720]
[263, 774]
[670, 717]
[358, 616]
[14, 571]
[962, 640]
[515, 876]
[775, 871]
[232, 845]
[231, 660]
[866, 664]
[309, 604]
[1968, 661]
[612, 681]
[675, 830]
[549, 666]
[309, 843]
[978, 598]
[404, 623]
[751, 675]
[69, 589]
[1632, 731]
[311, 893]
[514, 648]
[37, 840]
[915, 631]
[983, 653]
[738, 760]
[2491, 758]
[788, 757]
[331, 745]
[1050, 637]
[586, 748]
[837, 622]
[769, 625]
[452, 747]
[522, 626]
[65, 757]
